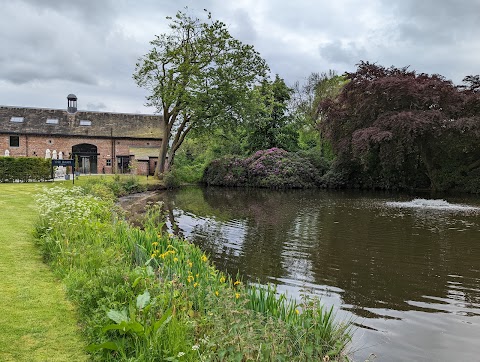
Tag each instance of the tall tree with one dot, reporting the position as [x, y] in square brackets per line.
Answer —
[198, 75]
[271, 124]
[398, 124]
[306, 102]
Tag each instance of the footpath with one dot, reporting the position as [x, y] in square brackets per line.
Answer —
[37, 323]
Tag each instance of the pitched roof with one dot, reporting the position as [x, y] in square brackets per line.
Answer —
[81, 123]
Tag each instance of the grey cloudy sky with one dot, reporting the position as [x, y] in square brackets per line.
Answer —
[50, 48]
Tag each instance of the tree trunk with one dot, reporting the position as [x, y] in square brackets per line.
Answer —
[160, 169]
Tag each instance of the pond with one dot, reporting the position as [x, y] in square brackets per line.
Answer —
[406, 271]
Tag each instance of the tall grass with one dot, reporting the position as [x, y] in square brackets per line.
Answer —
[146, 295]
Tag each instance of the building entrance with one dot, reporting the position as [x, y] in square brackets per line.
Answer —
[87, 157]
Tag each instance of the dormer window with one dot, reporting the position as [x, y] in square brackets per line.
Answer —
[16, 119]
[52, 120]
[85, 122]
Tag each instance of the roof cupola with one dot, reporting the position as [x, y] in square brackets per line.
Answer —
[72, 103]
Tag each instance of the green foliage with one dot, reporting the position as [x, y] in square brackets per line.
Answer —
[273, 168]
[193, 157]
[144, 295]
[24, 169]
[307, 111]
[119, 185]
[271, 125]
[171, 180]
[198, 76]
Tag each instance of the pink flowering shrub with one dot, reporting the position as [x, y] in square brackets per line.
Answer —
[272, 168]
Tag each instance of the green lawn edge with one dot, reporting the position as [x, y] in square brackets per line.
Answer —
[37, 322]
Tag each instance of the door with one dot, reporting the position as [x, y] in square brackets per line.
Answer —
[85, 165]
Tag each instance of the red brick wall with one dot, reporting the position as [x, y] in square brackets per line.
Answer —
[35, 146]
[142, 168]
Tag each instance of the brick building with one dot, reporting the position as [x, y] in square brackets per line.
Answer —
[103, 142]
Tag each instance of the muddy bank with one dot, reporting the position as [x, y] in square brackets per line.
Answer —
[135, 205]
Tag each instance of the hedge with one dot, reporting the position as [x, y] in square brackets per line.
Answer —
[24, 169]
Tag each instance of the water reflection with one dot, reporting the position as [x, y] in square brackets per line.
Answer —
[404, 274]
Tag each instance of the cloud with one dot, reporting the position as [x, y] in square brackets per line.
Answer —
[51, 47]
[92, 12]
[96, 106]
[346, 54]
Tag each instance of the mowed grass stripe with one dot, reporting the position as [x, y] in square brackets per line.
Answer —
[37, 323]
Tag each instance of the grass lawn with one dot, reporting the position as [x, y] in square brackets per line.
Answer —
[37, 323]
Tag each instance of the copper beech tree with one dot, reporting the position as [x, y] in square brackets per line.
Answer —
[395, 128]
[198, 76]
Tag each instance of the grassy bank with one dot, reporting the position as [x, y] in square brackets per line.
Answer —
[36, 321]
[144, 295]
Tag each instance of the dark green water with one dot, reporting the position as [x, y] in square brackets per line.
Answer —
[407, 274]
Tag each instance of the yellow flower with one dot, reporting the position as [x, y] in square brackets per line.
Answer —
[297, 311]
[153, 255]
[204, 258]
[217, 293]
[175, 259]
[155, 243]
[237, 295]
[170, 235]
[190, 264]
[237, 282]
[190, 278]
[222, 279]
[195, 284]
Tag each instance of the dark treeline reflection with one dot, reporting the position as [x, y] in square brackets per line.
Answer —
[378, 256]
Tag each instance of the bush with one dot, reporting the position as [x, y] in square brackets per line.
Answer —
[118, 186]
[272, 168]
[24, 169]
[171, 180]
[226, 171]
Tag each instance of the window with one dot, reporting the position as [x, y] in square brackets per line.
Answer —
[109, 162]
[85, 122]
[16, 119]
[14, 141]
[52, 120]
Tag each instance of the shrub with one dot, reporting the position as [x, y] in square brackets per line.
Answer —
[24, 169]
[272, 168]
[226, 171]
[118, 186]
[171, 180]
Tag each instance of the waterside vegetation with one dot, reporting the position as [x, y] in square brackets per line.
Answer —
[146, 295]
